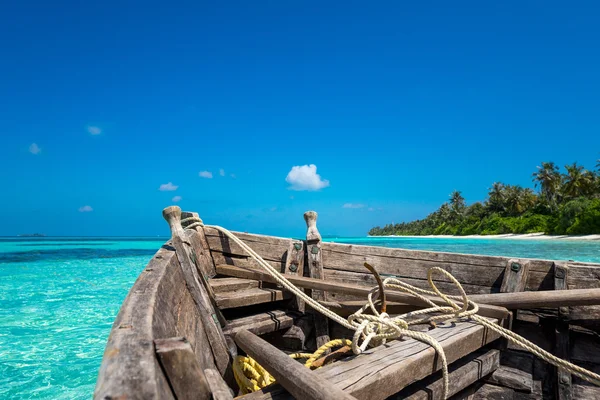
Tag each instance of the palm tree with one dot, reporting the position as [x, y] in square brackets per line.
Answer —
[457, 203]
[575, 181]
[496, 197]
[549, 180]
[589, 183]
[518, 200]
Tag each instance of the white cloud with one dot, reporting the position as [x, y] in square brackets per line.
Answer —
[222, 172]
[371, 209]
[94, 130]
[353, 205]
[205, 174]
[167, 187]
[34, 149]
[232, 175]
[176, 199]
[305, 177]
[86, 209]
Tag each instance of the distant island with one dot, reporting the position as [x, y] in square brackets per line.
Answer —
[565, 204]
[32, 235]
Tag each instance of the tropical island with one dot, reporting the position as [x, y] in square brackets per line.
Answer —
[565, 204]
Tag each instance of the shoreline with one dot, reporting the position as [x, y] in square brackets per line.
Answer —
[512, 236]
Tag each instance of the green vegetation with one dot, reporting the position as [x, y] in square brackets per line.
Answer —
[566, 204]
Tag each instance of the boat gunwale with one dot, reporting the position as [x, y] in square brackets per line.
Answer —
[130, 345]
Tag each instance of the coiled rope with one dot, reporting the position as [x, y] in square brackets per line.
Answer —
[251, 376]
[376, 329]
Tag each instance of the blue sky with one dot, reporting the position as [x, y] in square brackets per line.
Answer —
[395, 104]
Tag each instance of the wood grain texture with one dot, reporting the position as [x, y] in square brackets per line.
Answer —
[309, 283]
[129, 367]
[296, 337]
[513, 378]
[368, 280]
[222, 285]
[314, 259]
[301, 382]
[385, 370]
[562, 331]
[183, 371]
[250, 297]
[485, 272]
[294, 266]
[262, 323]
[200, 246]
[206, 310]
[218, 387]
[515, 277]
[461, 374]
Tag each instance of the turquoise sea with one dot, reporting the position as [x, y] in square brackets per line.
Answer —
[59, 296]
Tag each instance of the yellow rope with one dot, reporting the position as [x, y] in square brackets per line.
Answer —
[251, 376]
[376, 329]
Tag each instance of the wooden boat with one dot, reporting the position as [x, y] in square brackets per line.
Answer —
[202, 300]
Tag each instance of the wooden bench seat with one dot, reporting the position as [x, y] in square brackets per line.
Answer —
[249, 297]
[262, 323]
[385, 370]
[221, 285]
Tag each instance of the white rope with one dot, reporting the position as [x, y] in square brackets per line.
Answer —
[376, 329]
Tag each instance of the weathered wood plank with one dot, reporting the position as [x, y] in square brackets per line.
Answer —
[315, 267]
[586, 392]
[250, 297]
[513, 378]
[563, 378]
[448, 258]
[218, 387]
[468, 268]
[544, 298]
[243, 262]
[293, 376]
[461, 374]
[208, 316]
[515, 276]
[182, 369]
[309, 283]
[269, 248]
[294, 266]
[296, 337]
[385, 370]
[368, 280]
[221, 285]
[585, 347]
[129, 365]
[415, 269]
[199, 245]
[487, 391]
[262, 323]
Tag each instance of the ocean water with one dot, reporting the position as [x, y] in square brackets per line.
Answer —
[59, 296]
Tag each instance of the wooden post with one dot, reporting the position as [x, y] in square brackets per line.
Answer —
[294, 266]
[183, 371]
[199, 244]
[200, 254]
[563, 378]
[315, 267]
[209, 318]
[515, 276]
[300, 381]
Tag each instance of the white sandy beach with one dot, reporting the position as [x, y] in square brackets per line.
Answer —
[528, 236]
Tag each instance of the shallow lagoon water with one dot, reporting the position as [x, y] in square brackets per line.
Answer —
[59, 296]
